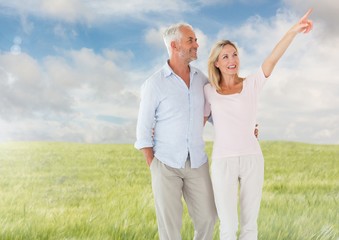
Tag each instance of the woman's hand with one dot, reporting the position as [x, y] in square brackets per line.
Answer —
[304, 25]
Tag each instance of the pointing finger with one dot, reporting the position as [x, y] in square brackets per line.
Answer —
[307, 14]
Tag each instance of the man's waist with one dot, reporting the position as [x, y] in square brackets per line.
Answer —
[177, 159]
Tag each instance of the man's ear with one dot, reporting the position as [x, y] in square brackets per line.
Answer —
[173, 45]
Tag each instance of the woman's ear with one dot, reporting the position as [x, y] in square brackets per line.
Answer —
[216, 64]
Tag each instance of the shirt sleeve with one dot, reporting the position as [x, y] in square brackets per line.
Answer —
[260, 79]
[207, 106]
[146, 116]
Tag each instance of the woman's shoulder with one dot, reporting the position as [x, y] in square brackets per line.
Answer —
[256, 80]
[258, 74]
[208, 87]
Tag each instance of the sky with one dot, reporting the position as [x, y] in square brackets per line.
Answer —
[71, 70]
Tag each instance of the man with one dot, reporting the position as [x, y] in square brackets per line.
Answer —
[172, 103]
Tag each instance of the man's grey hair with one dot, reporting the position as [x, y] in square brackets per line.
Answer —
[173, 33]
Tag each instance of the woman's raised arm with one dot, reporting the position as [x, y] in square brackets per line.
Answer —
[303, 25]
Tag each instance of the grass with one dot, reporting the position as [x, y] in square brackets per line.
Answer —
[94, 191]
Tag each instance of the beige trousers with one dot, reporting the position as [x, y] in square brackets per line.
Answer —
[194, 184]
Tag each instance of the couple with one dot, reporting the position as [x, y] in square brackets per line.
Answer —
[175, 102]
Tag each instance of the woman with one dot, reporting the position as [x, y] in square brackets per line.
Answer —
[237, 157]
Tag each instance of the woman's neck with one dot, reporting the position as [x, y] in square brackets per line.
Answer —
[230, 81]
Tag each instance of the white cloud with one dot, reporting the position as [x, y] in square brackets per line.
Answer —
[94, 11]
[203, 50]
[324, 11]
[153, 37]
[61, 9]
[225, 2]
[63, 32]
[61, 97]
[27, 26]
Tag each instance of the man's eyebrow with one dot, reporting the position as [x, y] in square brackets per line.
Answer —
[192, 38]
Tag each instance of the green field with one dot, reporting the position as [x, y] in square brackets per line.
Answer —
[90, 191]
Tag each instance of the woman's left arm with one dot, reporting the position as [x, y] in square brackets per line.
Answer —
[304, 25]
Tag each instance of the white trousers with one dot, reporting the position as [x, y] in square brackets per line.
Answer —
[227, 174]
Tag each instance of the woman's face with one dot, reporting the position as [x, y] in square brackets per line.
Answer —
[228, 61]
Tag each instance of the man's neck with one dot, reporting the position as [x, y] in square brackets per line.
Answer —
[179, 67]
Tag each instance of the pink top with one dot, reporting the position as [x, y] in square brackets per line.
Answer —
[234, 118]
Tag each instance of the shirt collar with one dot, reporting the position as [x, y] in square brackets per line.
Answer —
[168, 70]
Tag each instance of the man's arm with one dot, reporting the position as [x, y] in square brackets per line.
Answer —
[256, 131]
[145, 124]
[148, 154]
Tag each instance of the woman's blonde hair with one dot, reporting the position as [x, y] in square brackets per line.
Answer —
[214, 74]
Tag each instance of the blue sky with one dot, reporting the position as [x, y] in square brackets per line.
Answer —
[47, 35]
[71, 70]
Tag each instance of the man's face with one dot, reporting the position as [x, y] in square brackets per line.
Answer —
[187, 47]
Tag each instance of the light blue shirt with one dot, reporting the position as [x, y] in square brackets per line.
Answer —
[176, 113]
